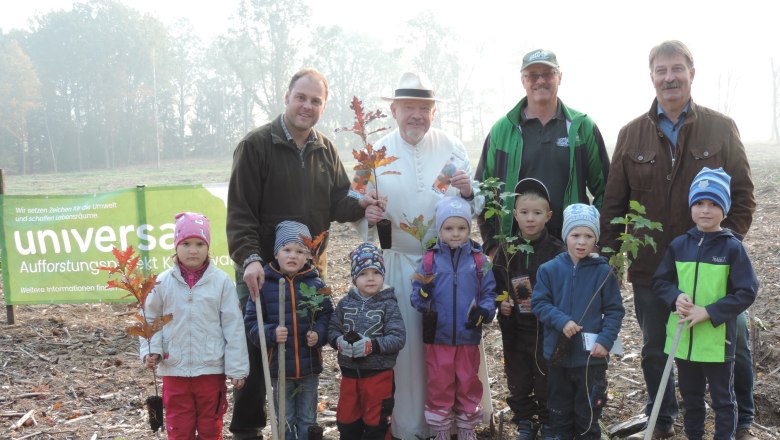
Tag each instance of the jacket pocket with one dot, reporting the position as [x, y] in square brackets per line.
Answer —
[707, 155]
[639, 170]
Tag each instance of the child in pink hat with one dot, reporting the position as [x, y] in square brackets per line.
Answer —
[203, 343]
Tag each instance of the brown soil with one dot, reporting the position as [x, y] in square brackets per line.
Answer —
[74, 367]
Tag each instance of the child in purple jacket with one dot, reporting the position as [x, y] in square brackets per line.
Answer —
[455, 303]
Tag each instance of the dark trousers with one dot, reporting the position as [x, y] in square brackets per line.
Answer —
[249, 402]
[694, 377]
[576, 398]
[652, 314]
[525, 369]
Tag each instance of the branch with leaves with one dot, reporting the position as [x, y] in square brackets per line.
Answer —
[368, 158]
[508, 245]
[129, 277]
[634, 221]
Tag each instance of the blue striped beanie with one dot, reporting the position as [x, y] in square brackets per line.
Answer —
[290, 232]
[712, 185]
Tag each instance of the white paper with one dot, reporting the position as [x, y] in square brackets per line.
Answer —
[588, 339]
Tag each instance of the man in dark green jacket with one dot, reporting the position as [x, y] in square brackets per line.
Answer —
[543, 139]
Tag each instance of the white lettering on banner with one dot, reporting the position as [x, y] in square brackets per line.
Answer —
[103, 239]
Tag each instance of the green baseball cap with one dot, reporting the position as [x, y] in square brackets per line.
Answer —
[540, 56]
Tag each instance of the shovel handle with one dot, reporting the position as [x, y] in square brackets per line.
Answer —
[659, 396]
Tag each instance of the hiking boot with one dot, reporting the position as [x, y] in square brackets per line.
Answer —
[525, 430]
[745, 434]
[466, 434]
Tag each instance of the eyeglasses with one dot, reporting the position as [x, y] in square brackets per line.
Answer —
[533, 77]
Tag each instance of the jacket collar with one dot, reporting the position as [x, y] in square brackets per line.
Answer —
[279, 136]
[689, 118]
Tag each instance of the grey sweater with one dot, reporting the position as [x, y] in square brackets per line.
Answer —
[378, 318]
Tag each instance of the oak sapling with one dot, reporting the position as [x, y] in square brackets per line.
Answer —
[139, 285]
[507, 244]
[369, 159]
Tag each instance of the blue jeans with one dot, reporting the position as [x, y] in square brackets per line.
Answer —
[300, 405]
[652, 314]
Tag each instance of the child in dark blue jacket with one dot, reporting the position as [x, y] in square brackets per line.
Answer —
[303, 341]
[577, 297]
[462, 297]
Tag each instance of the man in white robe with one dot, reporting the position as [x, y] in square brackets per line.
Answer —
[430, 165]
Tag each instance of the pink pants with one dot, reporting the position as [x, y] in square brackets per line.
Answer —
[454, 388]
[194, 404]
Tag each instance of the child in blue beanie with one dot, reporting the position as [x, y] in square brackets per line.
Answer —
[707, 280]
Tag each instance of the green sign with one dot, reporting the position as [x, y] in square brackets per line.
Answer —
[52, 246]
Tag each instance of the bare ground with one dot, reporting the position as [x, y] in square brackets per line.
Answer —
[76, 371]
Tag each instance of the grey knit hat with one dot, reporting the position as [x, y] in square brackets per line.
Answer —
[580, 214]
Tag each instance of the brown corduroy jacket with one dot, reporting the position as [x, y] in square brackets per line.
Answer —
[643, 169]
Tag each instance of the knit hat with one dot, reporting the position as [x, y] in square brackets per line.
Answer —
[288, 232]
[189, 225]
[452, 207]
[712, 185]
[366, 256]
[580, 214]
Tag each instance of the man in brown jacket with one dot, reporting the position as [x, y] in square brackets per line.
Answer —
[655, 160]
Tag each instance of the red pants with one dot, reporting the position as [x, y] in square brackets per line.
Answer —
[194, 404]
[365, 407]
[454, 388]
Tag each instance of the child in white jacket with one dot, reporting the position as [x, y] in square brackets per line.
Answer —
[203, 343]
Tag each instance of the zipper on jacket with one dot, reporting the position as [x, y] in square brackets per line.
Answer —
[693, 295]
[454, 262]
[293, 308]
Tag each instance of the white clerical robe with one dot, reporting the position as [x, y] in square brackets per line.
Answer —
[410, 194]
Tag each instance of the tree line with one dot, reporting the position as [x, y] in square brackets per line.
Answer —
[103, 85]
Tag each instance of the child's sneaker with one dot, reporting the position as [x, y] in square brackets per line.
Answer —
[466, 434]
[525, 430]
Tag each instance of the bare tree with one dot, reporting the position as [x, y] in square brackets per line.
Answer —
[727, 88]
[775, 102]
[20, 93]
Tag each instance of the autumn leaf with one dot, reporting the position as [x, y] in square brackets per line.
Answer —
[146, 330]
[424, 279]
[315, 243]
[325, 291]
[417, 228]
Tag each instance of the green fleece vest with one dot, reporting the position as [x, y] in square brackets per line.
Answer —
[703, 342]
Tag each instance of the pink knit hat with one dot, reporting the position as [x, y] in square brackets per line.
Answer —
[189, 225]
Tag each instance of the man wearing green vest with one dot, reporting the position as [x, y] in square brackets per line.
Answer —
[543, 139]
